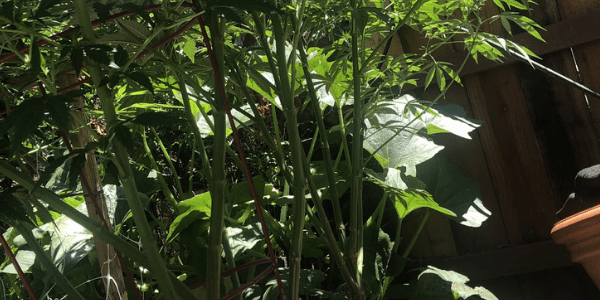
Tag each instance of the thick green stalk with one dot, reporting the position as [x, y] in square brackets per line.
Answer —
[287, 102]
[42, 256]
[217, 184]
[322, 225]
[337, 210]
[355, 224]
[169, 162]
[122, 161]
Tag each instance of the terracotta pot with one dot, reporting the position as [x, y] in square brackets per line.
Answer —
[581, 234]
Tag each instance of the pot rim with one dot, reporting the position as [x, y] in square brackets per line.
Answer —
[576, 218]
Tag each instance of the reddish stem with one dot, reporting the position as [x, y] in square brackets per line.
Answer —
[12, 258]
[241, 153]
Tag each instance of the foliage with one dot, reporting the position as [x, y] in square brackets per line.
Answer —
[322, 114]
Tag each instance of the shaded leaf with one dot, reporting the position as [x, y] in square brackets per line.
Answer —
[142, 79]
[454, 192]
[24, 120]
[120, 56]
[123, 134]
[98, 53]
[77, 58]
[59, 111]
[103, 10]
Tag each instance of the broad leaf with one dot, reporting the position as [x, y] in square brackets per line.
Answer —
[25, 259]
[440, 284]
[453, 191]
[244, 238]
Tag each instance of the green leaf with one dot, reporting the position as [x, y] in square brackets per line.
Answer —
[191, 210]
[189, 48]
[59, 111]
[454, 192]
[244, 238]
[120, 56]
[7, 10]
[123, 134]
[135, 30]
[407, 201]
[35, 58]
[103, 10]
[441, 79]
[77, 58]
[429, 76]
[361, 17]
[98, 53]
[12, 207]
[44, 6]
[200, 203]
[394, 142]
[25, 259]
[440, 284]
[139, 10]
[142, 79]
[24, 120]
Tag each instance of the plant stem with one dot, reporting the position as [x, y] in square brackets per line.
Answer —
[299, 207]
[337, 210]
[161, 179]
[355, 224]
[122, 160]
[169, 162]
[217, 184]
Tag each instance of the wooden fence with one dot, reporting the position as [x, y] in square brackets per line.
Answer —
[538, 132]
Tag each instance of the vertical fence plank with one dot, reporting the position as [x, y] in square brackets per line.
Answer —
[513, 156]
[559, 113]
[587, 55]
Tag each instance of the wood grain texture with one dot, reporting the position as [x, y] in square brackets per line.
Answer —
[513, 156]
[468, 157]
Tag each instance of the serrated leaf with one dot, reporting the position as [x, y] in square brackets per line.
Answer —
[142, 79]
[139, 31]
[189, 48]
[120, 56]
[24, 120]
[59, 111]
[139, 10]
[123, 134]
[361, 17]
[98, 53]
[77, 59]
[103, 10]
